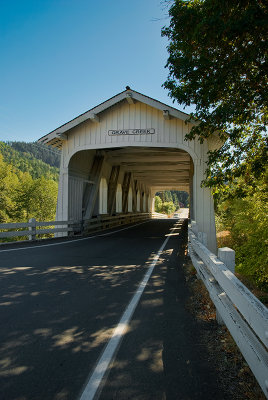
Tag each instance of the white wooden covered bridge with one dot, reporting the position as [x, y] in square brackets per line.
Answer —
[117, 155]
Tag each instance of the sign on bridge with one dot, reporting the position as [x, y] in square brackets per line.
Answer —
[131, 132]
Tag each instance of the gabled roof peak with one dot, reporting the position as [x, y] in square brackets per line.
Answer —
[56, 137]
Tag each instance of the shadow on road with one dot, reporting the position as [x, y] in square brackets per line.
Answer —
[57, 317]
[58, 308]
[162, 357]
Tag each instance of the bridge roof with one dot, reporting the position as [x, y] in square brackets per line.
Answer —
[56, 137]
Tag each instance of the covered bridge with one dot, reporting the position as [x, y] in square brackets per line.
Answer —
[117, 155]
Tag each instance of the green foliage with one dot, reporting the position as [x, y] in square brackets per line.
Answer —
[26, 162]
[246, 217]
[218, 62]
[176, 202]
[168, 207]
[158, 205]
[44, 199]
[22, 197]
[175, 196]
[8, 183]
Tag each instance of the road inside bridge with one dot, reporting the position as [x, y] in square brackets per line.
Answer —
[59, 306]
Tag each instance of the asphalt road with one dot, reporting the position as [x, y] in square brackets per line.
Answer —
[60, 303]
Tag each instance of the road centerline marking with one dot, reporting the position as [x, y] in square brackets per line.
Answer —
[93, 384]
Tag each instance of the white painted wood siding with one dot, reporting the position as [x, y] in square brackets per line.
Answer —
[94, 135]
[130, 200]
[76, 186]
[119, 198]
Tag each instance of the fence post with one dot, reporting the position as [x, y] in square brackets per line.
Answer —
[227, 256]
[194, 227]
[82, 226]
[32, 229]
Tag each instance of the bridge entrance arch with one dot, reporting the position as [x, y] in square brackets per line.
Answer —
[117, 155]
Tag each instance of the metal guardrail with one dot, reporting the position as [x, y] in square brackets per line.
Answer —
[34, 228]
[244, 315]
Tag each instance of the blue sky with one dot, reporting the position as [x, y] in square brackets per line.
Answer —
[60, 58]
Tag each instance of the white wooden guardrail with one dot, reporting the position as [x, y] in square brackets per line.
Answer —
[34, 228]
[244, 315]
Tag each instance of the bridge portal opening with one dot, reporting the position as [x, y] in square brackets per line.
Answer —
[125, 179]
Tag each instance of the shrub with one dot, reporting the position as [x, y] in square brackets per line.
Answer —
[247, 220]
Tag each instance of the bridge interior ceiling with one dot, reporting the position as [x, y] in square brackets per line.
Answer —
[158, 168]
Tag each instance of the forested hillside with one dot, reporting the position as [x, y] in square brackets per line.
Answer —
[39, 151]
[25, 160]
[175, 196]
[169, 201]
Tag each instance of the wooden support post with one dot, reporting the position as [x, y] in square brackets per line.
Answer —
[166, 115]
[194, 227]
[91, 190]
[227, 256]
[135, 192]
[191, 200]
[153, 205]
[32, 229]
[94, 117]
[112, 186]
[142, 208]
[125, 190]
[129, 98]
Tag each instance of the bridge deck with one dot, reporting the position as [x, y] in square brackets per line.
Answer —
[60, 303]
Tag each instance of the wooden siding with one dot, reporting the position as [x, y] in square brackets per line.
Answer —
[76, 186]
[94, 135]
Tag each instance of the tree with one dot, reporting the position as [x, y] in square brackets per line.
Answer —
[8, 184]
[175, 200]
[246, 218]
[44, 199]
[218, 61]
[23, 197]
[158, 204]
[168, 207]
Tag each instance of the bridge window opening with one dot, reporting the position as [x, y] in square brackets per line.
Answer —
[149, 204]
[138, 201]
[119, 198]
[103, 192]
[129, 203]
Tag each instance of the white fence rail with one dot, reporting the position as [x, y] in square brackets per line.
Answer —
[244, 315]
[34, 228]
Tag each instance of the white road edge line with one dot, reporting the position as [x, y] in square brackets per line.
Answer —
[75, 240]
[106, 358]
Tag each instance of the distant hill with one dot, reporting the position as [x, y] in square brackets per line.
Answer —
[30, 157]
[39, 151]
